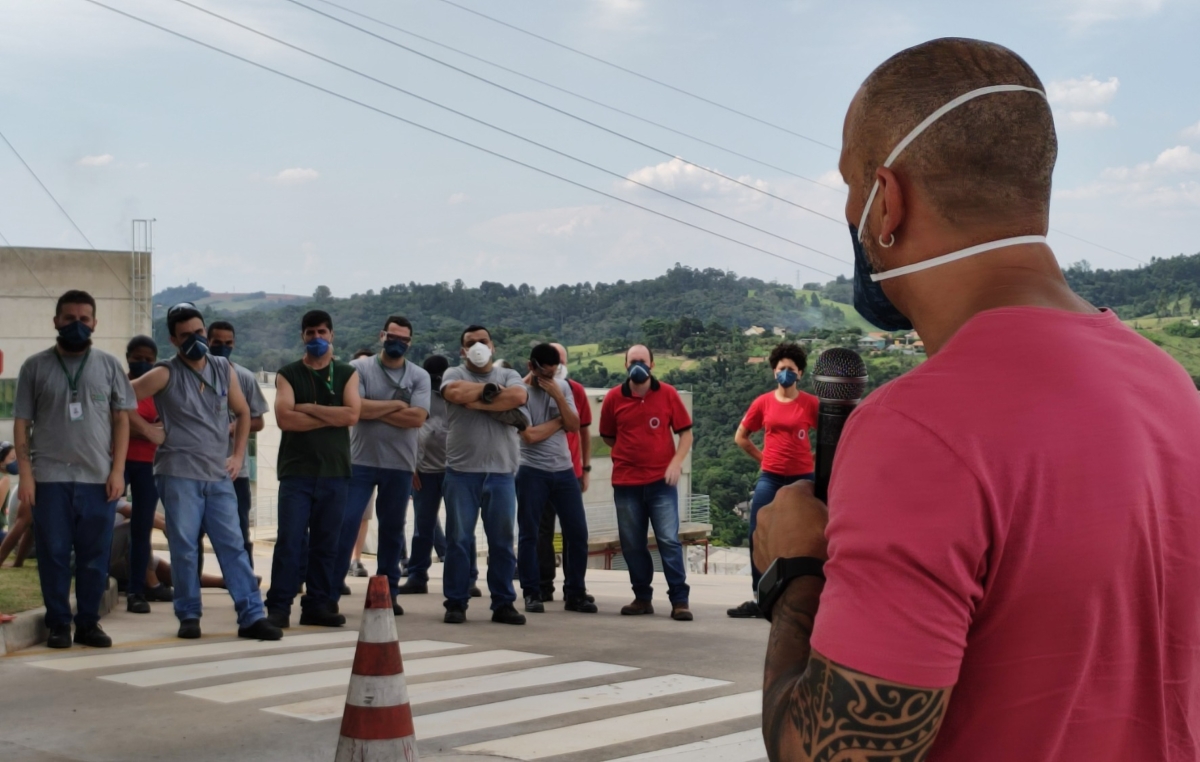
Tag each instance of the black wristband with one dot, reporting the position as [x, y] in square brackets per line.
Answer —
[588, 468]
[777, 576]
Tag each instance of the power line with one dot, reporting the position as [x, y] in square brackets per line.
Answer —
[48, 193]
[1098, 246]
[530, 141]
[564, 112]
[646, 77]
[2, 238]
[447, 136]
[573, 94]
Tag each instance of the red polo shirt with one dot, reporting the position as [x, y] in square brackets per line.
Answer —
[644, 428]
[583, 406]
[141, 450]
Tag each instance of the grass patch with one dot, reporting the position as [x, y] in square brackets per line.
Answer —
[853, 319]
[19, 588]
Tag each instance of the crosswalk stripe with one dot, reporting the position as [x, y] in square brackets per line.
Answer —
[738, 747]
[544, 705]
[266, 687]
[184, 672]
[171, 653]
[615, 730]
[330, 708]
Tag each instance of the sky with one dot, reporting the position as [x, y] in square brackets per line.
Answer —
[257, 182]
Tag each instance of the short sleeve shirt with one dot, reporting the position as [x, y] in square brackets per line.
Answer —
[194, 407]
[142, 450]
[583, 407]
[552, 453]
[787, 450]
[644, 428]
[65, 450]
[1017, 517]
[475, 441]
[432, 439]
[377, 443]
[258, 408]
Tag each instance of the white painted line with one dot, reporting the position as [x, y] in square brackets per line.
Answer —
[428, 693]
[738, 747]
[330, 707]
[171, 653]
[184, 672]
[630, 727]
[378, 626]
[514, 711]
[376, 690]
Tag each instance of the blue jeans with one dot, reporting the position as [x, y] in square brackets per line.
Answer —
[194, 507]
[467, 495]
[390, 506]
[73, 516]
[140, 478]
[638, 508]
[538, 490]
[310, 526]
[427, 530]
[241, 488]
[764, 493]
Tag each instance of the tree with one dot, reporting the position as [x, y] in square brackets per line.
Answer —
[815, 301]
[322, 294]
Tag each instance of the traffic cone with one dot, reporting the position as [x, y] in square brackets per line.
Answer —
[377, 724]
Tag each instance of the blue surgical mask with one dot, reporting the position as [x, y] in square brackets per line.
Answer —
[638, 372]
[869, 299]
[194, 347]
[74, 336]
[12, 468]
[786, 378]
[394, 348]
[316, 347]
[139, 368]
[221, 350]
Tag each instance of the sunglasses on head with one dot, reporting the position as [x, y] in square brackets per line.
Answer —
[181, 306]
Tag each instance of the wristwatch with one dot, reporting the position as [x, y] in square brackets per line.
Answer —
[588, 467]
[777, 576]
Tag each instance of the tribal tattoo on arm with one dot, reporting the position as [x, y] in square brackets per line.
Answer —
[817, 711]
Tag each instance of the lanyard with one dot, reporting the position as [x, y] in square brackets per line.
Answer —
[203, 381]
[73, 383]
[328, 382]
[388, 376]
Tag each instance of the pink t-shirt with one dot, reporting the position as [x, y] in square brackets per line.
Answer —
[1020, 518]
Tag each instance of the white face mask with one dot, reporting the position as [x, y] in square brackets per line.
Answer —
[954, 255]
[479, 355]
[561, 373]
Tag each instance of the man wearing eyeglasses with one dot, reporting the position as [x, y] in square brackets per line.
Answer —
[195, 393]
[383, 449]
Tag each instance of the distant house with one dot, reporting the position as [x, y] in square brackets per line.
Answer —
[780, 332]
[754, 330]
[872, 341]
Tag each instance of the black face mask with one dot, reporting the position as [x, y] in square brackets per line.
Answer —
[139, 368]
[194, 347]
[869, 299]
[74, 337]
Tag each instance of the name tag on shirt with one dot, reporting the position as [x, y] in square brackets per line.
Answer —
[75, 410]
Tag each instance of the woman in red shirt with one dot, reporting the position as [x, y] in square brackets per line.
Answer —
[786, 415]
[145, 435]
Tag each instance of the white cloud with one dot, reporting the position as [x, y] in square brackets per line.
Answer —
[457, 198]
[1078, 101]
[1191, 133]
[1149, 183]
[1086, 13]
[296, 176]
[681, 178]
[101, 160]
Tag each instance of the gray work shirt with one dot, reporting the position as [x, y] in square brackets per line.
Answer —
[66, 450]
[194, 407]
[552, 453]
[476, 442]
[379, 444]
[258, 408]
[432, 442]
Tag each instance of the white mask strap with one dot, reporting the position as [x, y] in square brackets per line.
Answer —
[956, 255]
[924, 125]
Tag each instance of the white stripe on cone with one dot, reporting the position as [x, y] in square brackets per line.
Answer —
[378, 626]
[390, 750]
[384, 690]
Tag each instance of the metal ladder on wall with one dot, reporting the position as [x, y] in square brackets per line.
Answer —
[141, 278]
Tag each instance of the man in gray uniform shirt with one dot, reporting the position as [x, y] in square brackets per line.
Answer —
[221, 340]
[482, 456]
[195, 394]
[383, 449]
[72, 431]
[547, 478]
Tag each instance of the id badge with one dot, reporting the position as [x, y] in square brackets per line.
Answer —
[223, 405]
[75, 409]
[404, 394]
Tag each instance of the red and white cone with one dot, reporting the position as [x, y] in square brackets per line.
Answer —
[377, 725]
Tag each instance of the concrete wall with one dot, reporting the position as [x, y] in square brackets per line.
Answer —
[32, 279]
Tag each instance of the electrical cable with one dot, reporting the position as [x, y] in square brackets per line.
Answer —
[1098, 246]
[460, 141]
[640, 75]
[2, 238]
[573, 94]
[530, 141]
[564, 112]
[48, 193]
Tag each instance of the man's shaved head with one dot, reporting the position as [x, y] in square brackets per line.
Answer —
[988, 161]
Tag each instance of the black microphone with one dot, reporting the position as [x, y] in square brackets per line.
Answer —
[839, 379]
